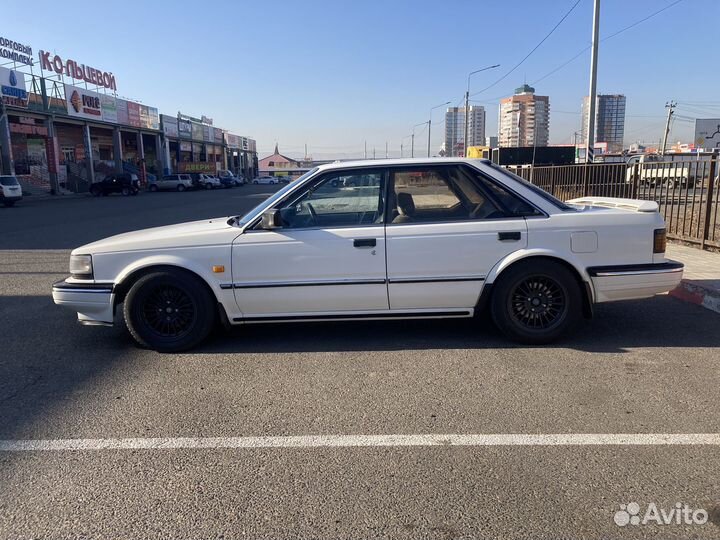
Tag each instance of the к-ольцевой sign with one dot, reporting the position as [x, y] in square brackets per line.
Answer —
[77, 71]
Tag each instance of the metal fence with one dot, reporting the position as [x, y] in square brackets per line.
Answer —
[688, 193]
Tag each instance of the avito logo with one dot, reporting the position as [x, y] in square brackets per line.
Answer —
[13, 78]
[680, 514]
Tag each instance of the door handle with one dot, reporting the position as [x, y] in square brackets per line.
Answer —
[364, 242]
[509, 236]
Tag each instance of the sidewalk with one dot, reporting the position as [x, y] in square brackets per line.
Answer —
[701, 278]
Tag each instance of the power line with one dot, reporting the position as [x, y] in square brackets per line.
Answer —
[533, 49]
[606, 38]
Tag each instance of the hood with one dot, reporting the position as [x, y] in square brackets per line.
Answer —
[204, 232]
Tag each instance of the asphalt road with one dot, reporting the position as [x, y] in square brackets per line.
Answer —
[639, 367]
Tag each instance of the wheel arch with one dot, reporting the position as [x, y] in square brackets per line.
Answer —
[522, 257]
[130, 275]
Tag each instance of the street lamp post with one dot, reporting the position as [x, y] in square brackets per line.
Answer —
[412, 143]
[467, 101]
[430, 122]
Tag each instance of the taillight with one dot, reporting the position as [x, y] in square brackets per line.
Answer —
[659, 241]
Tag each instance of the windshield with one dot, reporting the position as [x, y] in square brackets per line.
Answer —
[8, 181]
[267, 203]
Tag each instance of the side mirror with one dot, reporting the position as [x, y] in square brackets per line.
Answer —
[271, 219]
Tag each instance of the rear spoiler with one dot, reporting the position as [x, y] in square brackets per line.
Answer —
[635, 205]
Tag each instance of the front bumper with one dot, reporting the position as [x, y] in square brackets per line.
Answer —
[10, 197]
[94, 302]
[628, 282]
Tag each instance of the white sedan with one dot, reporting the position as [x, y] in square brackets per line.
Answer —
[265, 180]
[379, 240]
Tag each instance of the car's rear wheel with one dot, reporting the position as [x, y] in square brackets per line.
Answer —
[125, 191]
[181, 187]
[95, 191]
[153, 188]
[208, 185]
[169, 311]
[536, 302]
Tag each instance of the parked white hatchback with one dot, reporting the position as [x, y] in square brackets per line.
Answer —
[378, 240]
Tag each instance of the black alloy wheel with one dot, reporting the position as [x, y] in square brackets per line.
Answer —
[169, 310]
[536, 301]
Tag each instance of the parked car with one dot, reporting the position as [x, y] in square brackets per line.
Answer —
[205, 181]
[227, 182]
[265, 180]
[176, 182]
[10, 190]
[227, 177]
[412, 239]
[124, 183]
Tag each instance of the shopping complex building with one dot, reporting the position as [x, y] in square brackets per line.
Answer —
[63, 126]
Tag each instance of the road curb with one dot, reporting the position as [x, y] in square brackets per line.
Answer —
[695, 293]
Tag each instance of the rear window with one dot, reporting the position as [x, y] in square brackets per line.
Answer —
[532, 187]
[8, 181]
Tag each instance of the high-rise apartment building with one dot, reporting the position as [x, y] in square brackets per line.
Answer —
[609, 120]
[524, 119]
[455, 129]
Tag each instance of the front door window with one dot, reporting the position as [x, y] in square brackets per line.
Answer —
[346, 199]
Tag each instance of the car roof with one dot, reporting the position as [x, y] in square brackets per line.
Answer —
[397, 161]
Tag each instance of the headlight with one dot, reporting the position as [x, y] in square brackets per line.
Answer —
[81, 266]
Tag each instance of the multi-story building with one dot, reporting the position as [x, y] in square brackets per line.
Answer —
[524, 119]
[455, 129]
[609, 120]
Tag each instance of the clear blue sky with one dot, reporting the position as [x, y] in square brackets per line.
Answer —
[333, 74]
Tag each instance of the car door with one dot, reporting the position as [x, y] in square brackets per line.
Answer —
[328, 257]
[445, 233]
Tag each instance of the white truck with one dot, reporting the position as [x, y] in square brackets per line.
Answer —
[651, 170]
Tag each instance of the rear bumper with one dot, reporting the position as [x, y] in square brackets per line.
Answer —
[93, 302]
[629, 282]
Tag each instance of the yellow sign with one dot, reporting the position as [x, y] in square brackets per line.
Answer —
[478, 152]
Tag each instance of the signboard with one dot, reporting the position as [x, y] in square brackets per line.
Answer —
[218, 136]
[207, 136]
[108, 105]
[184, 129]
[133, 114]
[233, 141]
[169, 125]
[707, 133]
[197, 131]
[83, 103]
[185, 147]
[244, 143]
[12, 88]
[77, 71]
[122, 112]
[16, 52]
[153, 119]
[197, 167]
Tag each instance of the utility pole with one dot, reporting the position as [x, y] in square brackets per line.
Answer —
[430, 122]
[467, 102]
[412, 144]
[670, 106]
[373, 152]
[365, 149]
[386, 150]
[590, 149]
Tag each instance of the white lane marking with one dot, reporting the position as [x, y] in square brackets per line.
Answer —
[321, 441]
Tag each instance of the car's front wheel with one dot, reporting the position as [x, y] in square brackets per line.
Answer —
[169, 311]
[181, 187]
[8, 204]
[126, 191]
[536, 302]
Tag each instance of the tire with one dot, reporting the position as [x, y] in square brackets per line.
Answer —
[171, 331]
[181, 188]
[95, 191]
[8, 204]
[533, 322]
[153, 188]
[255, 182]
[125, 191]
[208, 185]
